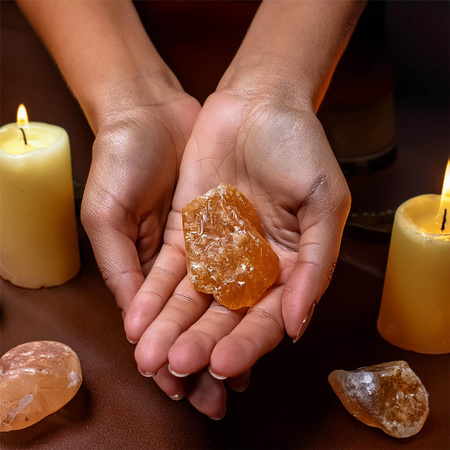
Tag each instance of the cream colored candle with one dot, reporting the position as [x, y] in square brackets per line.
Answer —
[38, 234]
[415, 307]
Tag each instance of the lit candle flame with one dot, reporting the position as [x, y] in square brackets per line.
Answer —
[22, 117]
[444, 210]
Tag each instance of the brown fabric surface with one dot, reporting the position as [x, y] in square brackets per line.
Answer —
[289, 403]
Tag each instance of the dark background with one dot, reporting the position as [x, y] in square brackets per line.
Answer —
[205, 36]
[289, 403]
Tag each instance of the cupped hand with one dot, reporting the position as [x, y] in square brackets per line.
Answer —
[279, 157]
[135, 167]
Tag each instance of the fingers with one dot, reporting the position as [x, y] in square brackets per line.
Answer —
[321, 220]
[168, 270]
[204, 392]
[173, 386]
[239, 383]
[307, 282]
[207, 394]
[259, 332]
[184, 307]
[191, 351]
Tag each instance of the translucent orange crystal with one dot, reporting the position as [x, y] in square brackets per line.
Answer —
[389, 396]
[36, 379]
[227, 254]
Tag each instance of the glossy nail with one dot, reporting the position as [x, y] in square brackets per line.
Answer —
[176, 397]
[177, 374]
[241, 388]
[305, 322]
[216, 376]
[219, 417]
[146, 374]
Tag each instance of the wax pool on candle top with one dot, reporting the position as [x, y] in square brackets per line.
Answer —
[39, 243]
[38, 137]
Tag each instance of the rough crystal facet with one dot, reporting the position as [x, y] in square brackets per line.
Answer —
[389, 396]
[36, 379]
[227, 254]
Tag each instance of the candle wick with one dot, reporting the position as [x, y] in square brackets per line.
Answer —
[444, 220]
[24, 135]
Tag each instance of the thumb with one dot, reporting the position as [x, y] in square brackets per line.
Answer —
[317, 255]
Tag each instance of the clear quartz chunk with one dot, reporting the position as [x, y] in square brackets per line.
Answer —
[227, 254]
[389, 396]
[36, 379]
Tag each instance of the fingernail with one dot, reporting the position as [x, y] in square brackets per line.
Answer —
[130, 341]
[176, 397]
[177, 374]
[219, 417]
[242, 388]
[216, 376]
[305, 322]
[146, 374]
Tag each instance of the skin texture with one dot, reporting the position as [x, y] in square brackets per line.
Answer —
[155, 150]
[140, 147]
[262, 151]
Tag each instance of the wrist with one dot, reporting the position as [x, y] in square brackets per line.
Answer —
[293, 48]
[270, 80]
[104, 54]
[104, 102]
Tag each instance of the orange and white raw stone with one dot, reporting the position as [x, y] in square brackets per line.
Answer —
[227, 254]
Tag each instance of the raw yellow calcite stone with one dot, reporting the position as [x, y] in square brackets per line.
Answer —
[389, 396]
[36, 379]
[227, 254]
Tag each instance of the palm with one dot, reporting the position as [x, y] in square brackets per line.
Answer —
[265, 154]
[262, 155]
[270, 155]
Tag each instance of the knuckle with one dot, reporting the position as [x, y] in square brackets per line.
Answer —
[202, 339]
[268, 316]
[163, 272]
[152, 295]
[183, 298]
[222, 311]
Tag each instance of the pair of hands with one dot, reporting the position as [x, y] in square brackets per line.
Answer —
[156, 150]
[148, 162]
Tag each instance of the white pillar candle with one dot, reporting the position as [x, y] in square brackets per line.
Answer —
[38, 233]
[415, 307]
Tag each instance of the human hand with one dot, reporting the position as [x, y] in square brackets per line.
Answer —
[135, 165]
[141, 117]
[254, 138]
[279, 157]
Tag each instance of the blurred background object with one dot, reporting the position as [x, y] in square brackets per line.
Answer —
[358, 110]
